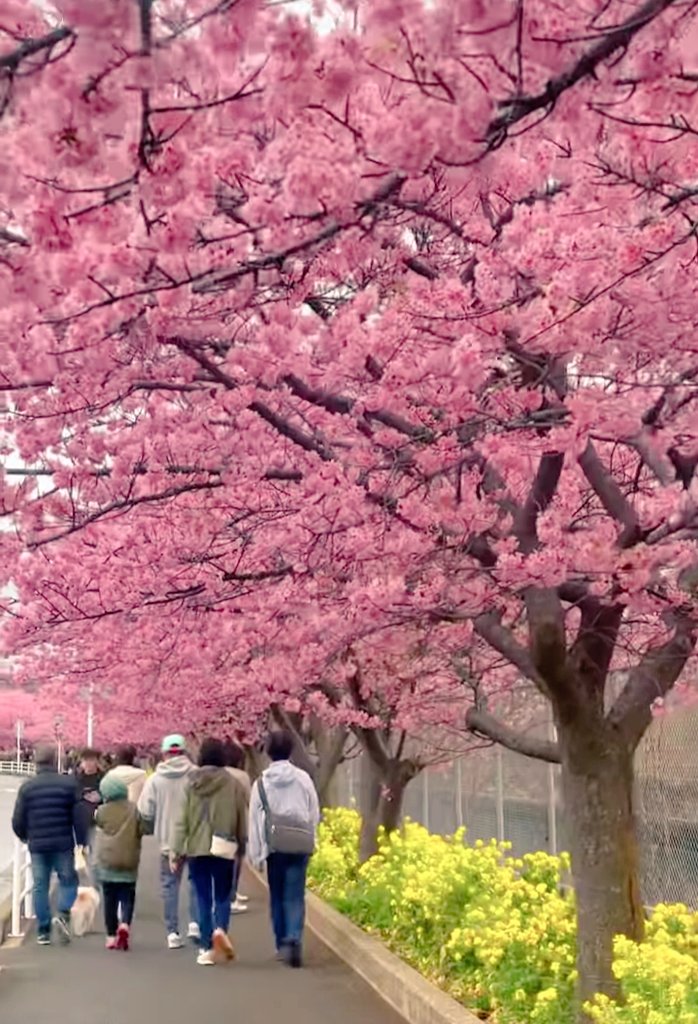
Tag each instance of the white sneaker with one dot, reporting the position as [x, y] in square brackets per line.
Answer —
[238, 908]
[243, 899]
[174, 941]
[206, 958]
[194, 932]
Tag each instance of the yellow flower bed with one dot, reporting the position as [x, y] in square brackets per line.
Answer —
[496, 931]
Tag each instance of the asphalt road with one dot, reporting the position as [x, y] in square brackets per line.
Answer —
[87, 984]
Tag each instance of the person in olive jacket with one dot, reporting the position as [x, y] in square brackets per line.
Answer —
[117, 856]
[210, 832]
[47, 818]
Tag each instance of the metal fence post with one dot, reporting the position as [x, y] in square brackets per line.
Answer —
[552, 797]
[352, 792]
[500, 796]
[28, 886]
[459, 793]
[16, 889]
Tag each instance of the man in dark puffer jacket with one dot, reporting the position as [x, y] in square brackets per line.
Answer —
[47, 818]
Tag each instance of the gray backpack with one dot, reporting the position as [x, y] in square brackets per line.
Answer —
[286, 833]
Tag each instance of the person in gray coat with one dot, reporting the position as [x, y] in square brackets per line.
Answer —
[160, 805]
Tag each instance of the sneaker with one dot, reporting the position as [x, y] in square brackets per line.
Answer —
[174, 941]
[238, 907]
[62, 925]
[123, 937]
[294, 957]
[43, 939]
[242, 899]
[194, 932]
[112, 942]
[206, 958]
[223, 947]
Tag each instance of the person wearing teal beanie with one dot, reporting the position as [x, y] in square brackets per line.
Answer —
[118, 854]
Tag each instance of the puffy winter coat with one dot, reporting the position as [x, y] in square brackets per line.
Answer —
[47, 815]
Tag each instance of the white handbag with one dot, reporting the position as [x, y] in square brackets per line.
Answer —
[226, 849]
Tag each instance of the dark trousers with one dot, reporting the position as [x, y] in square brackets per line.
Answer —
[213, 883]
[286, 876]
[118, 896]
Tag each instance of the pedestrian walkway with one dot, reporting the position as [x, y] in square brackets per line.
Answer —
[86, 984]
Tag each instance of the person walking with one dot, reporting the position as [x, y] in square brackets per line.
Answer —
[284, 815]
[48, 818]
[160, 805]
[235, 763]
[119, 830]
[88, 777]
[126, 770]
[210, 830]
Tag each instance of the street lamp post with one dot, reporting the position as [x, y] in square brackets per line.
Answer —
[90, 720]
[58, 729]
[88, 695]
[20, 727]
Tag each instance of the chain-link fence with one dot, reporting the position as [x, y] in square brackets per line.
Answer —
[496, 793]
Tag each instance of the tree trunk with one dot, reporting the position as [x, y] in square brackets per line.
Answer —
[383, 796]
[597, 783]
[370, 786]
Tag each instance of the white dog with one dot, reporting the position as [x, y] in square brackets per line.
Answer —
[84, 912]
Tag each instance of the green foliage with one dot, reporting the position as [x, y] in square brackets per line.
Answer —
[498, 932]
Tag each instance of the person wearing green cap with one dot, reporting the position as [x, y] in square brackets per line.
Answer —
[118, 835]
[160, 805]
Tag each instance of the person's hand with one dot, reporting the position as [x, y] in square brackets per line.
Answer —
[174, 862]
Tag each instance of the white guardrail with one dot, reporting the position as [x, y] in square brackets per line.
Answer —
[22, 889]
[17, 768]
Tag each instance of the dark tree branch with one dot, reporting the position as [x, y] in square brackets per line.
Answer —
[610, 495]
[541, 494]
[482, 723]
[31, 47]
[520, 107]
[651, 680]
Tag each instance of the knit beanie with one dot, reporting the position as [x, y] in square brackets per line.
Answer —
[113, 788]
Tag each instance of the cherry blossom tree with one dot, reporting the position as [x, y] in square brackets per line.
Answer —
[386, 325]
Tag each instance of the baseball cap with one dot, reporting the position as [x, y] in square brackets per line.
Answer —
[172, 743]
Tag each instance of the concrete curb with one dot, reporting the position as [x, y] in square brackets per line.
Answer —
[398, 984]
[403, 988]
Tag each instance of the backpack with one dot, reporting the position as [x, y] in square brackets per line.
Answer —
[286, 833]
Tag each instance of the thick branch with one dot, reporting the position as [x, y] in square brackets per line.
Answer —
[541, 494]
[520, 107]
[610, 495]
[489, 627]
[30, 47]
[482, 723]
[650, 681]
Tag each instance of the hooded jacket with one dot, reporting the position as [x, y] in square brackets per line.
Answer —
[163, 795]
[214, 804]
[118, 835]
[289, 790]
[134, 779]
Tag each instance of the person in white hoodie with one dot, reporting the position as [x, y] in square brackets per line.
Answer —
[125, 771]
[160, 805]
[284, 814]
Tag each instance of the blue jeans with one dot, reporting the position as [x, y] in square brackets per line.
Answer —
[213, 881]
[286, 876]
[170, 884]
[43, 866]
[237, 871]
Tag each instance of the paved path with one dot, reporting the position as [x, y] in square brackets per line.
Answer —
[86, 984]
